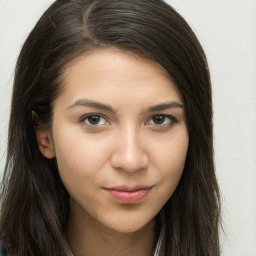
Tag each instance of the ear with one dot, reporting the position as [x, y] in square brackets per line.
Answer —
[45, 143]
[44, 138]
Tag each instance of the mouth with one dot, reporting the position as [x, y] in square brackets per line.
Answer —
[125, 194]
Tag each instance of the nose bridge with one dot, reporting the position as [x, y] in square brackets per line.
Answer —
[129, 152]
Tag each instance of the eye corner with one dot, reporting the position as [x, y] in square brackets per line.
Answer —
[161, 120]
[93, 120]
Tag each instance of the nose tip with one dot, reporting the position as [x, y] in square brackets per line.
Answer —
[129, 155]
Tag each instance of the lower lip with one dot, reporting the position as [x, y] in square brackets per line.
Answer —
[129, 196]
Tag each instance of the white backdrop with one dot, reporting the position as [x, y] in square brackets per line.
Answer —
[227, 31]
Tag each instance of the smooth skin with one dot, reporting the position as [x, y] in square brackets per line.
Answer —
[120, 121]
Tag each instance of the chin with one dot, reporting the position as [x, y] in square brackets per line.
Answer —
[130, 224]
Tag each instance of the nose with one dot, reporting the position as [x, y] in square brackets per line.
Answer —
[128, 153]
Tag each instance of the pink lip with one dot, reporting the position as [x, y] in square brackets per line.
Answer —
[126, 194]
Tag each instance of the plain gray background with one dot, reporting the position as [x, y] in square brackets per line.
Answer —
[227, 31]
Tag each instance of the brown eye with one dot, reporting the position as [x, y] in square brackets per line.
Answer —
[94, 119]
[162, 120]
[159, 119]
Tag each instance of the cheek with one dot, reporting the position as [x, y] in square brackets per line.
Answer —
[79, 157]
[170, 156]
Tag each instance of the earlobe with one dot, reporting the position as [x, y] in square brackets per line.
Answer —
[45, 143]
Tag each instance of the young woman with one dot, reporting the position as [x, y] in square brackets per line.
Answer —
[110, 146]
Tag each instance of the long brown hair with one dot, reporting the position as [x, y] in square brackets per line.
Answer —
[35, 204]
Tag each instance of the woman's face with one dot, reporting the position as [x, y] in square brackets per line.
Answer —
[119, 137]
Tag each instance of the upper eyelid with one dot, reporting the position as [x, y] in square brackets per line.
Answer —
[83, 117]
[165, 115]
[91, 114]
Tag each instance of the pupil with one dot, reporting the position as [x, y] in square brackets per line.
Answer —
[158, 119]
[94, 119]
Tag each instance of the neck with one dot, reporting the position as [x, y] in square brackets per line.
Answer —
[89, 238]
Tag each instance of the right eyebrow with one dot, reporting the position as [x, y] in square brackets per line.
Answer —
[90, 103]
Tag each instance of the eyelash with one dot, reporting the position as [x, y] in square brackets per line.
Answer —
[82, 120]
[172, 120]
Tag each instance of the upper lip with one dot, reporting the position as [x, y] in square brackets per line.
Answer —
[129, 188]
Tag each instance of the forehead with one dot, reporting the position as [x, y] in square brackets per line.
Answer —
[111, 72]
[114, 58]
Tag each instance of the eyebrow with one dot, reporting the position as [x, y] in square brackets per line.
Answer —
[163, 106]
[90, 103]
[98, 105]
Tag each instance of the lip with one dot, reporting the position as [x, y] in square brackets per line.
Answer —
[125, 194]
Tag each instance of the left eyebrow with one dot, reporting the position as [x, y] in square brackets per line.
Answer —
[163, 106]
